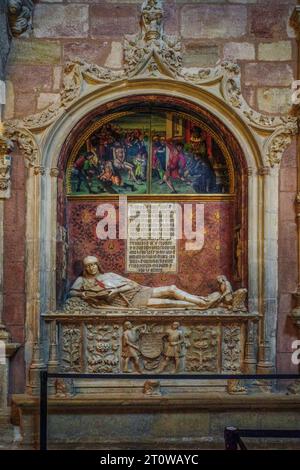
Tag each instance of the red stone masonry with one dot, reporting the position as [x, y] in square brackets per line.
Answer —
[14, 270]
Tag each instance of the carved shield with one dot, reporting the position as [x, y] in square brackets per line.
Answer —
[151, 345]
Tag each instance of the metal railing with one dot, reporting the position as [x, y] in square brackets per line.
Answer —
[233, 441]
[232, 435]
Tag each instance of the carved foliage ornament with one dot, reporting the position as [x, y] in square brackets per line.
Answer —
[231, 349]
[5, 164]
[103, 348]
[104, 345]
[5, 167]
[26, 142]
[71, 349]
[279, 141]
[204, 349]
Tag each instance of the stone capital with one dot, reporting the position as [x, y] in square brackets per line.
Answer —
[264, 171]
[54, 172]
[39, 170]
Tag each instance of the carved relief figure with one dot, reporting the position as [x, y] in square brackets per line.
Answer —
[175, 348]
[99, 289]
[15, 19]
[130, 350]
[151, 19]
[152, 388]
[20, 15]
[5, 38]
[60, 388]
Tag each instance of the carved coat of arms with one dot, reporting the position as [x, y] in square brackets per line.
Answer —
[151, 345]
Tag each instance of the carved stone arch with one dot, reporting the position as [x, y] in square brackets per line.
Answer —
[92, 99]
[152, 94]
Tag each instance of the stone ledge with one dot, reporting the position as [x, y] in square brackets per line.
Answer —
[79, 310]
[216, 401]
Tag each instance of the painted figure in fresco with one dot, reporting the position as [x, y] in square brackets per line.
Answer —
[120, 163]
[162, 153]
[176, 165]
[102, 289]
[83, 170]
[130, 351]
[135, 144]
[175, 348]
[140, 164]
[193, 160]
[200, 175]
[106, 148]
[109, 175]
[120, 157]
[158, 158]
[199, 169]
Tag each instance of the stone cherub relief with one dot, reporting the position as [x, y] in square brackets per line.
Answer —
[99, 289]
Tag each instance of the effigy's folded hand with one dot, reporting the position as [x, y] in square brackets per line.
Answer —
[91, 294]
[112, 294]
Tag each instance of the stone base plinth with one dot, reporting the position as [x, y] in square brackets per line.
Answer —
[6, 430]
[151, 422]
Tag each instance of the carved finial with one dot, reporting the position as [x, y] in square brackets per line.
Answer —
[151, 51]
[152, 19]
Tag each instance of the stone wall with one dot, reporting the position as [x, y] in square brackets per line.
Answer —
[254, 32]
[287, 266]
[14, 299]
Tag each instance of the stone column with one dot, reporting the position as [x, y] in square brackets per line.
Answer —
[295, 23]
[295, 314]
[48, 240]
[33, 239]
[268, 267]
